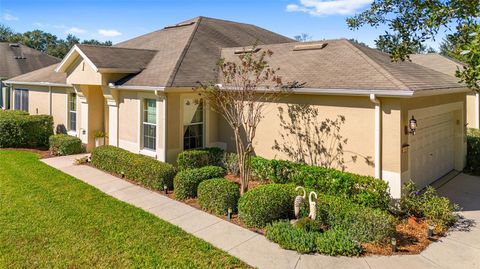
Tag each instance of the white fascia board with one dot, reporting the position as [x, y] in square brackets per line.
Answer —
[379, 93]
[36, 83]
[62, 68]
[137, 88]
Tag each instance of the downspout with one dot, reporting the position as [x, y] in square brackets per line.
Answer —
[477, 110]
[50, 99]
[378, 136]
[165, 128]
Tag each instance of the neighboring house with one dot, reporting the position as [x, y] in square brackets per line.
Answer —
[17, 59]
[352, 113]
[449, 66]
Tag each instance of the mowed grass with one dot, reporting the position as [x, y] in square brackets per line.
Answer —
[51, 220]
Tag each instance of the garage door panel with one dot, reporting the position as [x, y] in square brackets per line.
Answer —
[432, 148]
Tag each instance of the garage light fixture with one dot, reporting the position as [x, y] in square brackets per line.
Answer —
[412, 126]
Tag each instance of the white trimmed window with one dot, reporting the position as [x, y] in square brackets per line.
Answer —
[72, 112]
[193, 123]
[149, 123]
[20, 97]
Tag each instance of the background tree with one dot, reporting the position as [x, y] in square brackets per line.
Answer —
[46, 42]
[248, 85]
[412, 22]
[303, 37]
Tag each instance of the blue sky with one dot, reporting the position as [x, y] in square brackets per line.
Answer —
[121, 19]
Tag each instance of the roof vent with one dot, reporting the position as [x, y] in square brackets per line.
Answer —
[251, 50]
[179, 25]
[20, 57]
[315, 46]
[14, 45]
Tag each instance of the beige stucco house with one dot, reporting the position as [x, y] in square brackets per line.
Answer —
[353, 111]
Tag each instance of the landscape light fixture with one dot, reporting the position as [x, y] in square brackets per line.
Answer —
[229, 214]
[165, 189]
[394, 244]
[430, 231]
[412, 126]
[122, 174]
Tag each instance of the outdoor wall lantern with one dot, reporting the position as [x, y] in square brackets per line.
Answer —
[412, 126]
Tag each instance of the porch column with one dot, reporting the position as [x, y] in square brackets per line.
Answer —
[161, 126]
[82, 122]
[111, 96]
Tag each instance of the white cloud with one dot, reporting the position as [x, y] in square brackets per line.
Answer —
[7, 16]
[75, 30]
[328, 7]
[109, 33]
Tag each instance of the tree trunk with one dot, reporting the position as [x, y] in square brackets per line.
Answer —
[242, 162]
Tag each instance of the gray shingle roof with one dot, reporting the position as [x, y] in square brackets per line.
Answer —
[43, 75]
[346, 65]
[19, 59]
[437, 62]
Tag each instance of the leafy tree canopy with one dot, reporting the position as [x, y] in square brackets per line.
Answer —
[46, 42]
[412, 22]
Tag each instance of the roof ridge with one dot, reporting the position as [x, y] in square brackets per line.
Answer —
[112, 47]
[375, 65]
[172, 77]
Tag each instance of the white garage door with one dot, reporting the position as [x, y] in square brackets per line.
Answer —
[432, 148]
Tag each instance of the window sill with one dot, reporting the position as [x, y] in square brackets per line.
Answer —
[149, 153]
[72, 133]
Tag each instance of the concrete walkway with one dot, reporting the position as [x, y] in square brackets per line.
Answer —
[461, 249]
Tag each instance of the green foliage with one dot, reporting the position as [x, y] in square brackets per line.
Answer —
[19, 129]
[332, 242]
[230, 162]
[439, 211]
[45, 42]
[186, 181]
[142, 169]
[291, 237]
[266, 203]
[364, 190]
[197, 158]
[218, 195]
[473, 150]
[63, 144]
[338, 242]
[363, 224]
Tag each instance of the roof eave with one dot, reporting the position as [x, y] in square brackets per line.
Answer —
[67, 60]
[37, 83]
[137, 88]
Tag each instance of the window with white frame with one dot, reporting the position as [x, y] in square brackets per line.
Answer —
[193, 123]
[72, 112]
[149, 124]
[20, 97]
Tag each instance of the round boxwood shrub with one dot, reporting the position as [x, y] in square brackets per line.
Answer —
[186, 181]
[146, 171]
[63, 144]
[218, 195]
[266, 203]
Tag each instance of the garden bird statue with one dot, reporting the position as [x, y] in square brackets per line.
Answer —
[313, 205]
[299, 200]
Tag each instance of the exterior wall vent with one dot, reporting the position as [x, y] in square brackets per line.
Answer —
[179, 25]
[315, 46]
[243, 51]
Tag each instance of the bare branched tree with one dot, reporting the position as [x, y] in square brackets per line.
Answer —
[248, 85]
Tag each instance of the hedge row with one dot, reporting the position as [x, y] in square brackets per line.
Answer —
[63, 144]
[364, 190]
[218, 195]
[186, 181]
[19, 129]
[473, 149]
[197, 158]
[146, 171]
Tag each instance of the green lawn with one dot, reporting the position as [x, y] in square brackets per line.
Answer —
[49, 219]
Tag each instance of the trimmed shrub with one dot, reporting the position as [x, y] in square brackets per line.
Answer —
[364, 190]
[291, 237]
[19, 129]
[218, 195]
[197, 158]
[338, 242]
[363, 224]
[230, 162]
[439, 211]
[186, 181]
[473, 150]
[142, 169]
[62, 144]
[267, 203]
